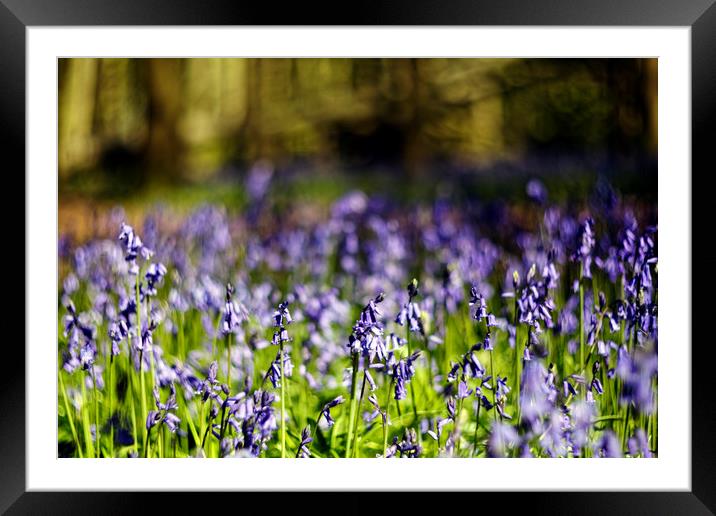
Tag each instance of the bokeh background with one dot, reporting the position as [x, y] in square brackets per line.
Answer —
[137, 132]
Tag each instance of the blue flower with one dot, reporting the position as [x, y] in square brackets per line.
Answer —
[118, 331]
[155, 273]
[503, 437]
[306, 439]
[326, 410]
[133, 247]
[165, 411]
[585, 248]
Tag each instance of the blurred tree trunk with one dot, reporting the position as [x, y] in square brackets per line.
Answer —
[165, 148]
[414, 145]
[650, 81]
[254, 144]
[76, 135]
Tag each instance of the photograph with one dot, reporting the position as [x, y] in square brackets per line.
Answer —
[337, 258]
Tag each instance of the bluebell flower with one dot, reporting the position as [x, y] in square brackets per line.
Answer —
[274, 371]
[377, 411]
[638, 444]
[326, 410]
[472, 367]
[367, 336]
[74, 326]
[165, 411]
[133, 247]
[70, 284]
[554, 440]
[536, 191]
[452, 375]
[370, 381]
[585, 247]
[479, 304]
[210, 386]
[408, 447]
[608, 446]
[88, 353]
[410, 313]
[402, 373]
[145, 340]
[463, 391]
[400, 390]
[233, 314]
[536, 395]
[282, 315]
[118, 331]
[503, 437]
[257, 421]
[306, 439]
[154, 275]
[582, 414]
[637, 374]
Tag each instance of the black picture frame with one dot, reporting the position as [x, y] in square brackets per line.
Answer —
[699, 15]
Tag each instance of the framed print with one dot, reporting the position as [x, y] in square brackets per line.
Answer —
[325, 247]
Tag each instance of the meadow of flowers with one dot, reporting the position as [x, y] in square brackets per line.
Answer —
[374, 328]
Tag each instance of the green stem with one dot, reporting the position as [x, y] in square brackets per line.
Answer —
[161, 442]
[189, 421]
[204, 429]
[283, 404]
[228, 362]
[146, 440]
[70, 417]
[357, 417]
[456, 429]
[581, 319]
[143, 394]
[412, 388]
[142, 386]
[385, 418]
[477, 425]
[223, 423]
[96, 412]
[111, 406]
[517, 348]
[351, 415]
[85, 422]
[626, 425]
[494, 390]
[182, 351]
[133, 389]
[206, 433]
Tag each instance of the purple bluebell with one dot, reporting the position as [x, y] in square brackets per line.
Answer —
[326, 410]
[608, 446]
[154, 275]
[118, 331]
[503, 437]
[585, 248]
[638, 444]
[582, 414]
[402, 373]
[367, 335]
[133, 248]
[536, 191]
[407, 447]
[233, 314]
[303, 451]
[165, 411]
[210, 387]
[274, 371]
